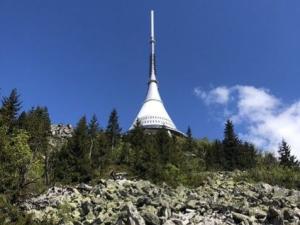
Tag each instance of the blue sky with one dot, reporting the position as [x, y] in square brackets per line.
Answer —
[84, 57]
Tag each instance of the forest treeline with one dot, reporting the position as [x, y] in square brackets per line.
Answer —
[29, 163]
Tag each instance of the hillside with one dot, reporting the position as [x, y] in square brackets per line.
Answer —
[188, 182]
[218, 200]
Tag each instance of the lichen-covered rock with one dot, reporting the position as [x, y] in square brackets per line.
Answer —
[219, 200]
[130, 216]
[151, 218]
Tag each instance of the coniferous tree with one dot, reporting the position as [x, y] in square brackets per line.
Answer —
[164, 144]
[238, 155]
[10, 109]
[189, 145]
[230, 146]
[113, 130]
[71, 163]
[21, 120]
[100, 153]
[151, 159]
[137, 139]
[93, 130]
[80, 149]
[285, 157]
[247, 156]
[214, 156]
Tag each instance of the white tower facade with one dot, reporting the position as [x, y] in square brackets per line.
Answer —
[153, 114]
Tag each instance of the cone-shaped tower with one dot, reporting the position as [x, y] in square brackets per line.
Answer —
[153, 114]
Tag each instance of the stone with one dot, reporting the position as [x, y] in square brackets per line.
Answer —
[164, 212]
[137, 202]
[130, 216]
[274, 217]
[90, 217]
[258, 213]
[84, 187]
[192, 204]
[239, 218]
[266, 187]
[86, 207]
[143, 201]
[151, 219]
[169, 222]
[288, 214]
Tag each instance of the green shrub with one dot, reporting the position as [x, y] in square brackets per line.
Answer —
[275, 175]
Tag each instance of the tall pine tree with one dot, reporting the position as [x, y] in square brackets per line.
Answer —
[113, 130]
[93, 130]
[72, 162]
[11, 106]
[231, 144]
[285, 157]
[189, 145]
[137, 139]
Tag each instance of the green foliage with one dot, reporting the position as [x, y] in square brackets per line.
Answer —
[15, 157]
[214, 156]
[172, 175]
[189, 144]
[28, 164]
[73, 161]
[237, 155]
[10, 109]
[64, 213]
[269, 170]
[37, 123]
[113, 130]
[285, 157]
[231, 145]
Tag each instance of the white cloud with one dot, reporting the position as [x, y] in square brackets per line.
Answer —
[217, 95]
[265, 118]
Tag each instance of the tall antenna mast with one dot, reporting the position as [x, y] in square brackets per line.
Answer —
[152, 55]
[152, 40]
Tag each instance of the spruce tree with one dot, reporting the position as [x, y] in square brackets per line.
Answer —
[93, 129]
[285, 157]
[10, 109]
[215, 156]
[245, 156]
[230, 138]
[151, 159]
[71, 163]
[189, 144]
[231, 144]
[164, 144]
[22, 120]
[137, 140]
[80, 149]
[113, 130]
[136, 136]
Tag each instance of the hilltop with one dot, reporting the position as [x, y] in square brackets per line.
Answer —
[36, 156]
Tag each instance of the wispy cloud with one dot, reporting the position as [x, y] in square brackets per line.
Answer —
[218, 95]
[265, 118]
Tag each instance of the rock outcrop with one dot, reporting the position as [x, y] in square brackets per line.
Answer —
[60, 134]
[62, 131]
[220, 200]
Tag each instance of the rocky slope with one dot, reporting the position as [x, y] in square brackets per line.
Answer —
[220, 200]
